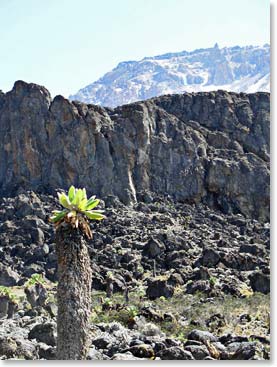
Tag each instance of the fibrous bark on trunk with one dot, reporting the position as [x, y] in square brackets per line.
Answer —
[4, 302]
[73, 294]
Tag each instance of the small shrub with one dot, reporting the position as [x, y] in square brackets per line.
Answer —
[35, 279]
[212, 281]
[6, 291]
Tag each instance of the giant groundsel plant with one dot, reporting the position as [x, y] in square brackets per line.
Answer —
[77, 210]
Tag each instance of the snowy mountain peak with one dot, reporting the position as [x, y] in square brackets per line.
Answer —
[238, 69]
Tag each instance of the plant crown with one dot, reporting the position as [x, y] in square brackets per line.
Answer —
[77, 208]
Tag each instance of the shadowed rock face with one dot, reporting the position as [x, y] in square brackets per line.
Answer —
[203, 147]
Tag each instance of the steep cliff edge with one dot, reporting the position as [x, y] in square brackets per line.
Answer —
[210, 147]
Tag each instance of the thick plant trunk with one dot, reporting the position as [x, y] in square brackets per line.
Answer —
[73, 293]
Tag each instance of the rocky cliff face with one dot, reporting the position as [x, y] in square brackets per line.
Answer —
[237, 69]
[210, 147]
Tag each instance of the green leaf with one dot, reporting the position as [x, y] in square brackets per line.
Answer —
[35, 278]
[93, 215]
[92, 198]
[78, 197]
[71, 193]
[83, 204]
[55, 218]
[92, 204]
[55, 212]
[64, 201]
[85, 194]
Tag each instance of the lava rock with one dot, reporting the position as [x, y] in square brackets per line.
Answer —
[94, 354]
[128, 356]
[260, 282]
[198, 351]
[46, 352]
[153, 248]
[159, 287]
[198, 286]
[142, 351]
[26, 349]
[227, 339]
[242, 351]
[210, 257]
[8, 346]
[8, 277]
[175, 353]
[202, 336]
[52, 309]
[41, 252]
[254, 249]
[103, 341]
[45, 333]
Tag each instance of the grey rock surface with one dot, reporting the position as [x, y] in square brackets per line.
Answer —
[159, 288]
[186, 234]
[202, 336]
[199, 352]
[175, 353]
[201, 147]
[260, 282]
[8, 277]
[33, 337]
[45, 333]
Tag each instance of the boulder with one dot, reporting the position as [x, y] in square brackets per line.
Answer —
[243, 350]
[142, 351]
[94, 354]
[175, 353]
[12, 308]
[210, 257]
[254, 249]
[128, 356]
[102, 341]
[8, 346]
[46, 352]
[202, 336]
[26, 349]
[45, 333]
[198, 351]
[159, 287]
[8, 277]
[260, 282]
[153, 248]
[198, 286]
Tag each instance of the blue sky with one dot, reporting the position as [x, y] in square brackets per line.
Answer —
[67, 44]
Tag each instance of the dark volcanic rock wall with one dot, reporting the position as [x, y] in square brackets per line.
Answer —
[210, 147]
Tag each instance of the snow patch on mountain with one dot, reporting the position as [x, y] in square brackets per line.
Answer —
[238, 69]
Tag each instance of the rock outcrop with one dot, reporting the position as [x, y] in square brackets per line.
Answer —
[209, 147]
